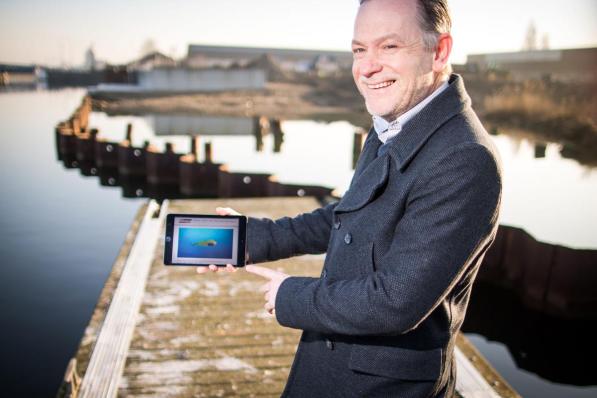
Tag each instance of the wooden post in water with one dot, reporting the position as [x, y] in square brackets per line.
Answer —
[276, 130]
[163, 169]
[76, 125]
[258, 131]
[132, 160]
[540, 150]
[208, 158]
[357, 146]
[85, 152]
[84, 111]
[129, 133]
[67, 145]
[205, 179]
[195, 141]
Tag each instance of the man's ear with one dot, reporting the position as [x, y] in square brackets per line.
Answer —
[442, 52]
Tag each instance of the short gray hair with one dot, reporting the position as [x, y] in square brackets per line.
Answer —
[434, 19]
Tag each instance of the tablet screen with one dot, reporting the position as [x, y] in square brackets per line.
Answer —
[205, 240]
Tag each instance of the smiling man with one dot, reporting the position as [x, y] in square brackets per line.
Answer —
[405, 242]
[398, 63]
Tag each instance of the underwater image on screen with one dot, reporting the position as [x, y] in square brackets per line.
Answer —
[205, 242]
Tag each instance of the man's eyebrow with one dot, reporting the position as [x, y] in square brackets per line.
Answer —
[379, 39]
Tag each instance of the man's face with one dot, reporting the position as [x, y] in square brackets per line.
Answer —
[391, 67]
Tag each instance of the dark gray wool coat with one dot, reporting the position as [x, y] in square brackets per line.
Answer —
[403, 247]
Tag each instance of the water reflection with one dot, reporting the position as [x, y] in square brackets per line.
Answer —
[211, 125]
[148, 172]
[543, 278]
[170, 173]
[551, 197]
[60, 235]
[543, 191]
[552, 279]
[538, 300]
[189, 124]
[557, 349]
[63, 251]
[576, 135]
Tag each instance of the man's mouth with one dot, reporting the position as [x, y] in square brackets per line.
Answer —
[376, 86]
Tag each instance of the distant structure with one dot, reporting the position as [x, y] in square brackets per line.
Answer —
[156, 72]
[293, 60]
[545, 42]
[572, 65]
[90, 61]
[21, 76]
[190, 80]
[151, 61]
[530, 39]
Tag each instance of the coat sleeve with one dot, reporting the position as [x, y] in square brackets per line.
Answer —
[307, 233]
[448, 222]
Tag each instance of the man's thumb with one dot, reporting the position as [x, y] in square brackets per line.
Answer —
[226, 211]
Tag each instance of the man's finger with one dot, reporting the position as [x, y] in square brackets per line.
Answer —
[202, 270]
[262, 271]
[226, 211]
[230, 268]
[264, 288]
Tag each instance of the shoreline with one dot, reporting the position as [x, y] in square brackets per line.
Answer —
[546, 112]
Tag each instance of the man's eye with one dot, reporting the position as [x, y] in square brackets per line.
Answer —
[358, 50]
[390, 47]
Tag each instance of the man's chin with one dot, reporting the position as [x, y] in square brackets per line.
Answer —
[382, 112]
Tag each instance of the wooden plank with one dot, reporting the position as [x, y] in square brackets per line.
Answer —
[469, 382]
[208, 335]
[475, 373]
[109, 354]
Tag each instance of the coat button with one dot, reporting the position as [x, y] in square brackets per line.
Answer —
[337, 224]
[329, 344]
[347, 238]
[324, 274]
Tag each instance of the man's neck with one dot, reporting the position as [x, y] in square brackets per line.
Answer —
[386, 130]
[438, 80]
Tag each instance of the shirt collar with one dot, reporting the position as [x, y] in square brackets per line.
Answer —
[387, 130]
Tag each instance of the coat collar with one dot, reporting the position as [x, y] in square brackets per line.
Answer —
[371, 172]
[368, 154]
[452, 101]
[365, 186]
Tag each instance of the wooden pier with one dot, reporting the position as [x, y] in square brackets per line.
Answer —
[147, 171]
[162, 331]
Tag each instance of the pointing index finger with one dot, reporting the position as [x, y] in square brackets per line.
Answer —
[261, 271]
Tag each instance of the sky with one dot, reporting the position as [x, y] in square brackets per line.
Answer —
[59, 32]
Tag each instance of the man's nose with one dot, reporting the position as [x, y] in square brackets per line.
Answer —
[370, 65]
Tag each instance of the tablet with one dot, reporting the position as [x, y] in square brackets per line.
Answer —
[198, 239]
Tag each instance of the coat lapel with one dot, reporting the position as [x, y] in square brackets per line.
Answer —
[364, 186]
[371, 172]
[369, 152]
[420, 128]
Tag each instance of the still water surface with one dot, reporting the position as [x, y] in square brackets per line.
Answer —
[61, 231]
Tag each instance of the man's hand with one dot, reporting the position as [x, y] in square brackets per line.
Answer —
[270, 288]
[221, 211]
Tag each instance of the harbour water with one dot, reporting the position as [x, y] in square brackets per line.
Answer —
[61, 231]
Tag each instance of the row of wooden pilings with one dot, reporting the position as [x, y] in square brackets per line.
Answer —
[150, 172]
[549, 278]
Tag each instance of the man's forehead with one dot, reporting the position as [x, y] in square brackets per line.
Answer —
[405, 6]
[379, 19]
